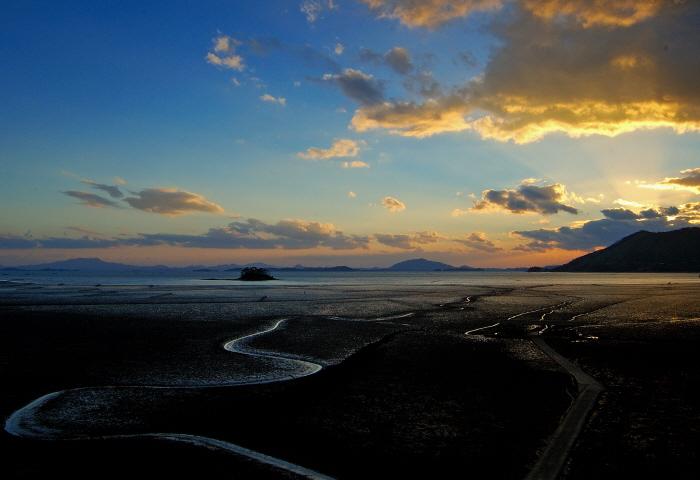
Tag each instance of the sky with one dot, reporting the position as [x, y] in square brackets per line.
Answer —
[360, 132]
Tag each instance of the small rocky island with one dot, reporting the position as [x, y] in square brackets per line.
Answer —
[255, 274]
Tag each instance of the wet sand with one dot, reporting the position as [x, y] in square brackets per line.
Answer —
[401, 390]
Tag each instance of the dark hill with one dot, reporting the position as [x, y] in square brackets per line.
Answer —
[88, 265]
[675, 251]
[420, 265]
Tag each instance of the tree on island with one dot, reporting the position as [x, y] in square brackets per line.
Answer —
[255, 274]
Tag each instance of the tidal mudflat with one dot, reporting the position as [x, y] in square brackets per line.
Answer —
[348, 381]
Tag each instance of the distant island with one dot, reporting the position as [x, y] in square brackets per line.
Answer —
[255, 274]
[424, 265]
[674, 251]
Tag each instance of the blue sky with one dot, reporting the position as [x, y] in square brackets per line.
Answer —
[122, 94]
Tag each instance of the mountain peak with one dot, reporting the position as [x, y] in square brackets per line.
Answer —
[643, 251]
[421, 264]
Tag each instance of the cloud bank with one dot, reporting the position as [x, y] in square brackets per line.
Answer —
[527, 198]
[617, 224]
[575, 67]
[429, 13]
[689, 181]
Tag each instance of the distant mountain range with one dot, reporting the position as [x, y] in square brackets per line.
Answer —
[675, 251]
[87, 265]
[98, 265]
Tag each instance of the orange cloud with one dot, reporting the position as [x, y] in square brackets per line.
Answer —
[429, 13]
[394, 205]
[593, 13]
[568, 78]
[224, 54]
[690, 181]
[340, 148]
[586, 13]
[355, 164]
[413, 120]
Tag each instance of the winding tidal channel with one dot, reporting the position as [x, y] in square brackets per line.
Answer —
[76, 407]
[26, 423]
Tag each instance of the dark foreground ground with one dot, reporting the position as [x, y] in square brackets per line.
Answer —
[399, 397]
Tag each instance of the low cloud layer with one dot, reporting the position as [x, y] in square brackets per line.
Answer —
[527, 198]
[256, 234]
[17, 242]
[251, 234]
